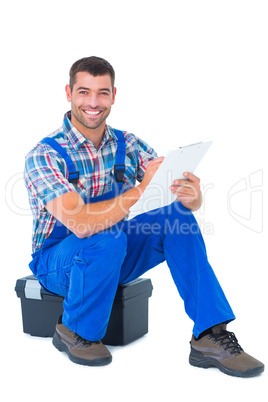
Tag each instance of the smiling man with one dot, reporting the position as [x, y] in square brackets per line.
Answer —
[81, 182]
[90, 116]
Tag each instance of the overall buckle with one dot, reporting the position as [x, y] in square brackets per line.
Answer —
[73, 177]
[119, 171]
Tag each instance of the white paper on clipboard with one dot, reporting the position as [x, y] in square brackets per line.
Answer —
[158, 194]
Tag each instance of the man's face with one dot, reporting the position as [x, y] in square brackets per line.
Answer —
[91, 99]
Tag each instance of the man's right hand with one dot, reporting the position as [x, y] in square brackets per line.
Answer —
[150, 171]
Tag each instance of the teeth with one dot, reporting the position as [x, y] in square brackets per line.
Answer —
[91, 112]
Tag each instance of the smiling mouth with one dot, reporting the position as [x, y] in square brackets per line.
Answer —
[92, 112]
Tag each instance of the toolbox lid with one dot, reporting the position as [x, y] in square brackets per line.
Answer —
[28, 287]
[138, 287]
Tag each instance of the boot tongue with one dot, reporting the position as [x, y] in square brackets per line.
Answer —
[217, 329]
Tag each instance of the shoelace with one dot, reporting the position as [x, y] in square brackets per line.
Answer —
[227, 340]
[84, 341]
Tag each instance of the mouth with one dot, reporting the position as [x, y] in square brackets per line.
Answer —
[92, 112]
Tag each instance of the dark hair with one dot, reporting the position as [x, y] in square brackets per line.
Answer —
[93, 65]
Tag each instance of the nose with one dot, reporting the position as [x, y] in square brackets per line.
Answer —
[93, 101]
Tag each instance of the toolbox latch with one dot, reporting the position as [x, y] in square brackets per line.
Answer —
[32, 290]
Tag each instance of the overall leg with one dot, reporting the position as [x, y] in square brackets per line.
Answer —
[172, 234]
[85, 271]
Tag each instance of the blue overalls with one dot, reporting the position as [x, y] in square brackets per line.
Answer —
[87, 271]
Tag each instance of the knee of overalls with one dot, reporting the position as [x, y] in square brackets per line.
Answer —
[107, 248]
[181, 220]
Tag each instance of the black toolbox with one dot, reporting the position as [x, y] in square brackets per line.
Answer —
[128, 320]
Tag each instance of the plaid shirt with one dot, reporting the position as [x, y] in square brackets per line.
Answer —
[46, 172]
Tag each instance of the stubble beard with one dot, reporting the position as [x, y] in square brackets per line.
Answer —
[81, 118]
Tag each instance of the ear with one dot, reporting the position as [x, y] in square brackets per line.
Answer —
[68, 93]
[114, 93]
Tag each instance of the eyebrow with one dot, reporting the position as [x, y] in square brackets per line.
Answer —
[87, 89]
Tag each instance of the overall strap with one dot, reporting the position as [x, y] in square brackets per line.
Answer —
[119, 167]
[73, 173]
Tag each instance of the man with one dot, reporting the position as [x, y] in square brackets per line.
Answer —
[81, 183]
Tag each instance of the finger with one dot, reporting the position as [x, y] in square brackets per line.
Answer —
[191, 177]
[182, 183]
[188, 183]
[157, 160]
[184, 191]
[188, 197]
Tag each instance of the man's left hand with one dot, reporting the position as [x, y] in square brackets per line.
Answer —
[188, 191]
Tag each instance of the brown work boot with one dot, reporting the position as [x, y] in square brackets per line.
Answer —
[219, 348]
[78, 349]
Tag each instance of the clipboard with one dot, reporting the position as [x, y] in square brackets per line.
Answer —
[157, 193]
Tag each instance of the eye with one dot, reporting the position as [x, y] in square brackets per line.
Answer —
[104, 93]
[83, 92]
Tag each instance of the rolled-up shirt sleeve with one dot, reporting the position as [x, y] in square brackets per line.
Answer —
[45, 176]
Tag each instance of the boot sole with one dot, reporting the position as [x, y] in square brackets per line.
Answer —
[197, 359]
[62, 347]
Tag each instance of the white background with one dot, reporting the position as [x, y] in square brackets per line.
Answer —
[186, 71]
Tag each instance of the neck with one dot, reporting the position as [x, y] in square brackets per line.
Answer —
[94, 135]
